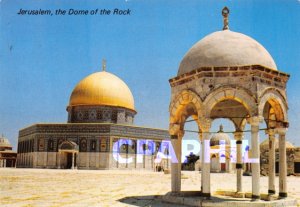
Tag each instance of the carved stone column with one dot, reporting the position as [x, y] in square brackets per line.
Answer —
[255, 151]
[205, 165]
[76, 163]
[45, 159]
[59, 157]
[176, 141]
[77, 160]
[282, 163]
[201, 158]
[73, 160]
[238, 136]
[271, 170]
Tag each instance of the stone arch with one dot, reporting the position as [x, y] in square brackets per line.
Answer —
[276, 100]
[50, 145]
[67, 155]
[242, 125]
[59, 142]
[68, 146]
[216, 155]
[238, 94]
[179, 104]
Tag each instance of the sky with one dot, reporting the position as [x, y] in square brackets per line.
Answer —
[42, 58]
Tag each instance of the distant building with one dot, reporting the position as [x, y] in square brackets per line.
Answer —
[292, 157]
[99, 134]
[7, 156]
[220, 161]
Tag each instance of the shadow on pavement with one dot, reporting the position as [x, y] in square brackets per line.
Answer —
[147, 201]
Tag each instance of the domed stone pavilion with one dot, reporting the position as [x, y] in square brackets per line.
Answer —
[7, 156]
[100, 133]
[220, 159]
[230, 75]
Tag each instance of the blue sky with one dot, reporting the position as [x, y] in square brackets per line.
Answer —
[42, 58]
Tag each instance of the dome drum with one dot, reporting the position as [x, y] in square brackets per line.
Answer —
[100, 114]
[234, 74]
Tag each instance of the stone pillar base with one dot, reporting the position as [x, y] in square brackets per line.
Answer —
[282, 194]
[205, 194]
[255, 196]
[271, 192]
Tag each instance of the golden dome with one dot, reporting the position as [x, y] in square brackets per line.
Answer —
[104, 89]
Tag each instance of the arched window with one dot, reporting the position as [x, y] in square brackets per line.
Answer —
[41, 144]
[59, 143]
[83, 145]
[93, 145]
[50, 145]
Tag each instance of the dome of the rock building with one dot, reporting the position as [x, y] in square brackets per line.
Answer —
[220, 135]
[102, 89]
[226, 48]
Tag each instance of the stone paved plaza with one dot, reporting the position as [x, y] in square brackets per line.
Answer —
[40, 187]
